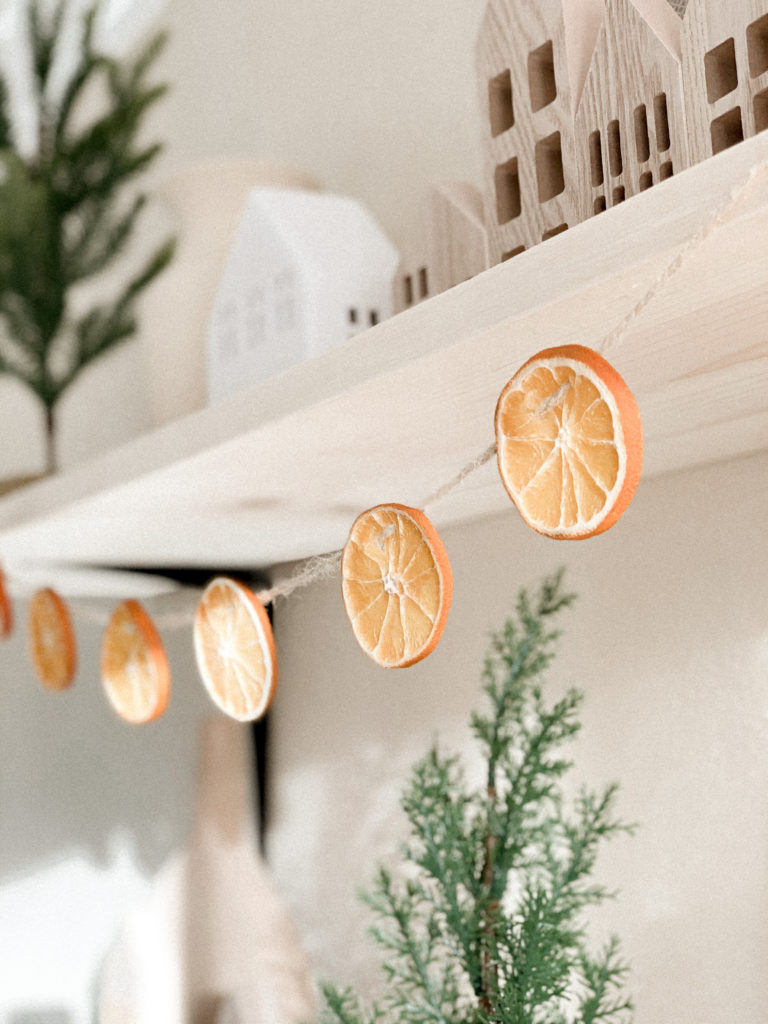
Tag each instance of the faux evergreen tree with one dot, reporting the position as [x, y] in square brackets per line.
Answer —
[488, 924]
[65, 213]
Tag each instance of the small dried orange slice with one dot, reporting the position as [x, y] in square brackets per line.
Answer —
[396, 584]
[51, 640]
[6, 610]
[235, 649]
[134, 666]
[570, 442]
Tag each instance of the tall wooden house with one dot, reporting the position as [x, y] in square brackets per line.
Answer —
[725, 73]
[630, 124]
[532, 60]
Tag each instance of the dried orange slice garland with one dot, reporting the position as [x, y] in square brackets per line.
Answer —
[134, 667]
[570, 442]
[235, 649]
[6, 610]
[396, 584]
[51, 640]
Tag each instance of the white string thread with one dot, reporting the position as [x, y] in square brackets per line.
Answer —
[326, 566]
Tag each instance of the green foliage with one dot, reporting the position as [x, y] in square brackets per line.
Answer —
[488, 925]
[65, 214]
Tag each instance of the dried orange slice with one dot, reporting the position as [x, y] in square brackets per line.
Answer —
[51, 640]
[396, 584]
[6, 610]
[570, 442]
[134, 666]
[235, 649]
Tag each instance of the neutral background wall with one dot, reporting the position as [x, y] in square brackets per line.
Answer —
[668, 639]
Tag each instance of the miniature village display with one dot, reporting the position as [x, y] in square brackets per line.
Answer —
[588, 103]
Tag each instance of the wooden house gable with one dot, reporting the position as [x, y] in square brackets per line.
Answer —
[630, 124]
[525, 78]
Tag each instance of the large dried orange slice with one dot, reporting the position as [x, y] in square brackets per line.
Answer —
[51, 640]
[396, 584]
[570, 442]
[6, 610]
[134, 665]
[235, 649]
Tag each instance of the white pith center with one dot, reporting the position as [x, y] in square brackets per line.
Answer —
[393, 584]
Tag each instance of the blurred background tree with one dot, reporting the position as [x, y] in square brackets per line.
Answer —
[66, 211]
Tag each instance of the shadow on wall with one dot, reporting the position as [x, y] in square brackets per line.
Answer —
[74, 778]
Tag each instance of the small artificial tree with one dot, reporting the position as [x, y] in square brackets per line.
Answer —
[64, 212]
[487, 925]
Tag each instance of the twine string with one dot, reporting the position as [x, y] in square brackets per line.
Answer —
[325, 566]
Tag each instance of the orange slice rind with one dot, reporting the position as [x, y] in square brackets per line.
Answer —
[570, 443]
[134, 666]
[396, 584]
[52, 647]
[235, 649]
[6, 610]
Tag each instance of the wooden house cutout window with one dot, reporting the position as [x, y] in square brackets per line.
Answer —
[512, 253]
[661, 120]
[761, 111]
[508, 199]
[541, 76]
[720, 70]
[423, 283]
[554, 231]
[596, 159]
[549, 167]
[757, 46]
[642, 139]
[500, 103]
[615, 158]
[727, 130]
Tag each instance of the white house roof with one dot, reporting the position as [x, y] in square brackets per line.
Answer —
[323, 231]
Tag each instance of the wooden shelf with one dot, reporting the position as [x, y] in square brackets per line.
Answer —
[279, 473]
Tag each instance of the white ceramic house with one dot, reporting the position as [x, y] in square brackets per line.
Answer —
[306, 271]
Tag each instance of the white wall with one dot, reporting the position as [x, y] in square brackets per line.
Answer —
[90, 809]
[669, 640]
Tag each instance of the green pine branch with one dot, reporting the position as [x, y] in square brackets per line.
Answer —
[69, 212]
[490, 926]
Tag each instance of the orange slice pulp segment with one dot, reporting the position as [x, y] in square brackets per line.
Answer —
[396, 584]
[51, 640]
[570, 442]
[235, 649]
[134, 667]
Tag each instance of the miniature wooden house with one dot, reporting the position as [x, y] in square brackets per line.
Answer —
[725, 73]
[630, 123]
[306, 271]
[531, 61]
[459, 242]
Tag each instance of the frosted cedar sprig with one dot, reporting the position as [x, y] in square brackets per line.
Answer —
[488, 927]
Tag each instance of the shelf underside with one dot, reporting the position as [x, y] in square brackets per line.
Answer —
[279, 473]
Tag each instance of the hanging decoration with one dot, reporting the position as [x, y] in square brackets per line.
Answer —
[396, 584]
[235, 649]
[570, 443]
[134, 666]
[52, 647]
